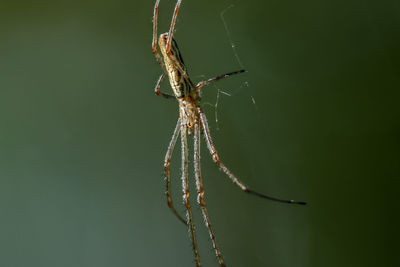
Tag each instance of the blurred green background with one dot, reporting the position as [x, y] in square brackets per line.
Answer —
[83, 137]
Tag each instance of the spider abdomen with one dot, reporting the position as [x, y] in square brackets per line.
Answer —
[175, 67]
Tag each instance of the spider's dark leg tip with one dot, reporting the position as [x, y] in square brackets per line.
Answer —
[299, 202]
[273, 198]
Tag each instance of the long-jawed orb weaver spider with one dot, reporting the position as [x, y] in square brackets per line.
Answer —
[192, 121]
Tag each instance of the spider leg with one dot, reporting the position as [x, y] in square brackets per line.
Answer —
[172, 47]
[171, 29]
[169, 41]
[234, 179]
[167, 173]
[200, 191]
[154, 42]
[157, 88]
[185, 187]
[206, 82]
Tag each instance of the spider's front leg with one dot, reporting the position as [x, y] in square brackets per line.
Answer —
[154, 42]
[171, 29]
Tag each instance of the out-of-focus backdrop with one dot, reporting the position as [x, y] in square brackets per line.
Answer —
[83, 137]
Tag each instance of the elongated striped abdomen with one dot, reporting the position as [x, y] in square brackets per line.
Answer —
[180, 83]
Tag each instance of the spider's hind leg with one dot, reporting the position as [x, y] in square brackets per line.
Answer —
[200, 191]
[167, 173]
[231, 176]
[185, 185]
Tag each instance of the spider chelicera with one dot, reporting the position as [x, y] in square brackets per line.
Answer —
[192, 121]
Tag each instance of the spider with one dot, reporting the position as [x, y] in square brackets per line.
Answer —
[191, 121]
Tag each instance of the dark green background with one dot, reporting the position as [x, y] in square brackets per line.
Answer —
[83, 137]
